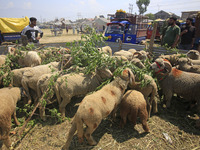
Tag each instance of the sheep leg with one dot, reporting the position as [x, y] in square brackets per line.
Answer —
[123, 121]
[15, 118]
[42, 112]
[143, 118]
[168, 96]
[62, 106]
[133, 117]
[7, 142]
[114, 114]
[88, 134]
[25, 86]
[149, 106]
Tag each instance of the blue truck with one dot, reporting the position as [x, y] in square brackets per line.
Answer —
[128, 28]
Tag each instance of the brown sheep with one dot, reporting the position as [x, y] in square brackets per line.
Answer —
[150, 90]
[98, 106]
[133, 105]
[8, 101]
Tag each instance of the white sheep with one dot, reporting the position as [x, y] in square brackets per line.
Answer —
[29, 59]
[106, 49]
[8, 101]
[173, 59]
[78, 84]
[31, 76]
[142, 55]
[185, 64]
[172, 80]
[2, 60]
[124, 53]
[98, 106]
[138, 63]
[193, 54]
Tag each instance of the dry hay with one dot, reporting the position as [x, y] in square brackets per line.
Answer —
[52, 136]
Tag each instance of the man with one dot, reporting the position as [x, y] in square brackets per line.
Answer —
[172, 34]
[31, 31]
[187, 35]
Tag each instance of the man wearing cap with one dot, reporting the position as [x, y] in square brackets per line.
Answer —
[172, 34]
[31, 31]
[187, 35]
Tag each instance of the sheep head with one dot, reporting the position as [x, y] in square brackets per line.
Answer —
[11, 50]
[193, 54]
[182, 61]
[127, 75]
[161, 65]
[104, 73]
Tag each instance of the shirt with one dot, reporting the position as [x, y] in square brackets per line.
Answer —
[170, 35]
[32, 33]
[187, 37]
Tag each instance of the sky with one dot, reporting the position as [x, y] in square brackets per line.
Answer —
[46, 10]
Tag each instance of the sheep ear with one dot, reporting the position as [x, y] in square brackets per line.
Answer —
[197, 54]
[168, 66]
[137, 53]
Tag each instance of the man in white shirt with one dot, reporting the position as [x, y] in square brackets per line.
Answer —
[31, 31]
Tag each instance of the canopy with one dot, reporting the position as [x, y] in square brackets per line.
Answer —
[11, 25]
[159, 20]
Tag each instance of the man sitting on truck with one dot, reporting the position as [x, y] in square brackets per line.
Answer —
[31, 31]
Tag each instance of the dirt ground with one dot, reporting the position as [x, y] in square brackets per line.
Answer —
[51, 135]
[64, 37]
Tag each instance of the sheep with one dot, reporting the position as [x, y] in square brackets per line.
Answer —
[2, 60]
[98, 106]
[78, 84]
[8, 100]
[172, 80]
[173, 59]
[143, 42]
[142, 55]
[149, 90]
[193, 54]
[138, 63]
[133, 105]
[31, 76]
[186, 64]
[132, 50]
[124, 53]
[29, 59]
[106, 49]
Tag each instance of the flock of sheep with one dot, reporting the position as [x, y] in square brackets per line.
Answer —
[175, 74]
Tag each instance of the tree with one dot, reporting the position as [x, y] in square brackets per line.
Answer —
[142, 5]
[150, 15]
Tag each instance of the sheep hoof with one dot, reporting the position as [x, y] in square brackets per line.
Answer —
[29, 101]
[92, 143]
[44, 118]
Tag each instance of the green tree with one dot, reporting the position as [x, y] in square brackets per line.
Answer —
[142, 5]
[150, 15]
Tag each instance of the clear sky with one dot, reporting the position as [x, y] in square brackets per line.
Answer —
[71, 9]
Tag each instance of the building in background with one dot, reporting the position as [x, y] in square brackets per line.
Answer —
[164, 15]
[186, 14]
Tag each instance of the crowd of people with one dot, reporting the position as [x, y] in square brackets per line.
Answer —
[178, 37]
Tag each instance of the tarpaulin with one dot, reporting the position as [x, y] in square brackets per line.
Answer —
[11, 25]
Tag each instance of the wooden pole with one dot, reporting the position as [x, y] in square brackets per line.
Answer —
[153, 37]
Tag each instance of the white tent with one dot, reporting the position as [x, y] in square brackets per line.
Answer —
[100, 24]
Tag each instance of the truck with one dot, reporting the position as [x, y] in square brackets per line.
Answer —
[127, 27]
[10, 28]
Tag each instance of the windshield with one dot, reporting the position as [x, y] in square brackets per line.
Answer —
[115, 29]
